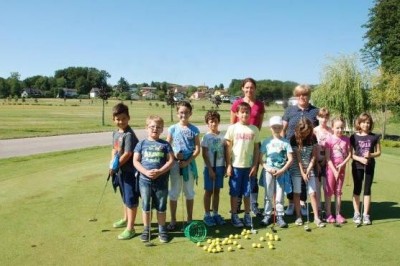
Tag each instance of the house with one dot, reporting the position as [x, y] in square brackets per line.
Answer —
[94, 93]
[179, 97]
[148, 95]
[134, 96]
[292, 101]
[198, 95]
[31, 92]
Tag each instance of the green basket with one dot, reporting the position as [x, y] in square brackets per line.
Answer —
[196, 231]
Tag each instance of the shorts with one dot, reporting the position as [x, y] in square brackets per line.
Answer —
[154, 194]
[177, 184]
[219, 181]
[297, 179]
[239, 184]
[128, 188]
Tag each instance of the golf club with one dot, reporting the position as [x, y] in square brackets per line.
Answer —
[149, 243]
[252, 230]
[215, 172]
[273, 225]
[306, 226]
[94, 219]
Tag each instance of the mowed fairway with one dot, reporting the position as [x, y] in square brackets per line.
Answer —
[46, 202]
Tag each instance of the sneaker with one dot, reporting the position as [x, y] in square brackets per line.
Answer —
[303, 210]
[357, 218]
[208, 220]
[366, 220]
[144, 237]
[119, 224]
[163, 237]
[256, 212]
[298, 221]
[236, 222]
[266, 220]
[319, 223]
[340, 219]
[280, 222]
[126, 234]
[218, 219]
[247, 220]
[290, 209]
[330, 219]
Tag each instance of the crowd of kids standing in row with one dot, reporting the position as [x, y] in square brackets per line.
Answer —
[303, 154]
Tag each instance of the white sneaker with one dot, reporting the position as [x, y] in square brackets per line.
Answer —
[290, 209]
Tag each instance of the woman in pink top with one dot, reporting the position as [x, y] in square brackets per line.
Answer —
[256, 118]
[338, 153]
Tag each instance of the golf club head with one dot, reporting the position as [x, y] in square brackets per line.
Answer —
[307, 228]
[93, 220]
[273, 230]
[253, 231]
[358, 225]
[150, 244]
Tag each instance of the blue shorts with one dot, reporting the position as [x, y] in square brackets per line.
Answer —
[156, 191]
[219, 181]
[239, 184]
[128, 187]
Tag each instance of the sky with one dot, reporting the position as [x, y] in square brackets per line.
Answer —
[186, 42]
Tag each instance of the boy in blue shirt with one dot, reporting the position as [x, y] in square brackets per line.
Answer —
[213, 152]
[242, 156]
[153, 158]
[124, 142]
[276, 155]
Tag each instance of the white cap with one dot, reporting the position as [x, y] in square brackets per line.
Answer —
[275, 120]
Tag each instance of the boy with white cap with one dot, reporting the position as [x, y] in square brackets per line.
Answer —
[276, 156]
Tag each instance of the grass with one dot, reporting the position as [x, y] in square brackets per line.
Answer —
[46, 201]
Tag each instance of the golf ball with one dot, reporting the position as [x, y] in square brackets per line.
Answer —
[209, 241]
[230, 248]
[217, 231]
[230, 236]
[239, 246]
[236, 236]
[262, 238]
[254, 245]
[199, 244]
[205, 248]
[259, 245]
[276, 237]
[271, 247]
[235, 242]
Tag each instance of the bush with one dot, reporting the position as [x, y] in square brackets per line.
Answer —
[390, 143]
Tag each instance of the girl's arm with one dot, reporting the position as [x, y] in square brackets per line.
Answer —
[286, 166]
[377, 150]
[312, 160]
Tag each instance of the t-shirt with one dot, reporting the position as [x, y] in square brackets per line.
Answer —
[322, 135]
[243, 139]
[153, 155]
[214, 143]
[306, 150]
[362, 144]
[183, 139]
[275, 151]
[339, 148]
[256, 112]
[293, 114]
[125, 141]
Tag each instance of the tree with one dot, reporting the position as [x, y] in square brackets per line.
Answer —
[343, 88]
[104, 94]
[14, 84]
[383, 33]
[169, 99]
[123, 85]
[385, 94]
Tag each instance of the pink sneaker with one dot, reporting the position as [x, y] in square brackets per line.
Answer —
[330, 219]
[340, 219]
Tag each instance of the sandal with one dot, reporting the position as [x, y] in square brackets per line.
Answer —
[319, 223]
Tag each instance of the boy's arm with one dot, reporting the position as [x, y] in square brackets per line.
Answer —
[168, 164]
[256, 152]
[137, 158]
[125, 157]
[228, 156]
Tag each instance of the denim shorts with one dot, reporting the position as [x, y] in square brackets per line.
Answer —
[239, 184]
[128, 187]
[154, 191]
[219, 181]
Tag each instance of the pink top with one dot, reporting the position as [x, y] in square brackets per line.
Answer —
[322, 135]
[339, 148]
[256, 113]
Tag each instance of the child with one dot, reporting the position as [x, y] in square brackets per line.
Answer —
[304, 144]
[213, 152]
[242, 156]
[322, 132]
[275, 157]
[338, 153]
[365, 147]
[153, 158]
[185, 141]
[124, 142]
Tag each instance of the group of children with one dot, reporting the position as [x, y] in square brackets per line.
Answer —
[168, 168]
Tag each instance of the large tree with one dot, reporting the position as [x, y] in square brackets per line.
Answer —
[382, 47]
[343, 88]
